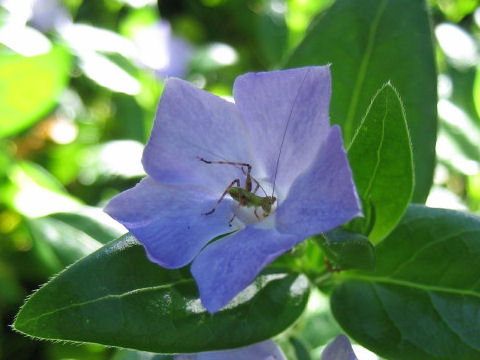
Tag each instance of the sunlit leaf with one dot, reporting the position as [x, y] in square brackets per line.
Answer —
[367, 45]
[30, 87]
[72, 235]
[32, 191]
[455, 10]
[381, 159]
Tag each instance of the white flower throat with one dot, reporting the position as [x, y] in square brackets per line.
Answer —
[252, 206]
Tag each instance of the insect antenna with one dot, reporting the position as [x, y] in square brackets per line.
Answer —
[285, 131]
[261, 187]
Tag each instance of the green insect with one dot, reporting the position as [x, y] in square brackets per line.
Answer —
[244, 195]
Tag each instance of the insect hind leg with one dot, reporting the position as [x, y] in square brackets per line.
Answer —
[237, 182]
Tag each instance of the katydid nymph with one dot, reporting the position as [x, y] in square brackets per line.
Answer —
[243, 195]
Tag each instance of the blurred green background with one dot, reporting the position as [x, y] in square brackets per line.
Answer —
[79, 83]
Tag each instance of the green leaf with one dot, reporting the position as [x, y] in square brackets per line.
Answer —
[93, 222]
[117, 297]
[456, 10]
[11, 292]
[458, 135]
[70, 235]
[381, 159]
[299, 15]
[476, 90]
[369, 43]
[129, 119]
[33, 191]
[302, 352]
[423, 300]
[272, 34]
[30, 87]
[458, 87]
[346, 250]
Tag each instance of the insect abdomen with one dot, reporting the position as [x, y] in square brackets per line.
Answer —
[244, 197]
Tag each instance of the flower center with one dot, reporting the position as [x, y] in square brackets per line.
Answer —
[253, 206]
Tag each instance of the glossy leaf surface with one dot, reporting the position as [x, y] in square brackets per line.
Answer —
[422, 301]
[346, 250]
[381, 159]
[117, 297]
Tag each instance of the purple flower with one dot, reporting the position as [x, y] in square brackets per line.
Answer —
[266, 350]
[163, 51]
[339, 349]
[279, 125]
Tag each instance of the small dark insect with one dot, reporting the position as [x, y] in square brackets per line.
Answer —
[244, 195]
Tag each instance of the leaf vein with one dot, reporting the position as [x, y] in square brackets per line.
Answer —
[107, 297]
[411, 284]
[426, 246]
[447, 324]
[379, 154]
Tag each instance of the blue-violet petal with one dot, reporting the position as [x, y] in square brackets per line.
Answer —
[286, 114]
[167, 219]
[324, 196]
[229, 265]
[192, 123]
[339, 349]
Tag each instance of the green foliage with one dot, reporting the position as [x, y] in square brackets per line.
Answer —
[476, 90]
[301, 350]
[346, 250]
[70, 236]
[455, 10]
[412, 296]
[29, 87]
[368, 46]
[89, 223]
[422, 300]
[10, 290]
[122, 299]
[33, 191]
[381, 159]
[459, 131]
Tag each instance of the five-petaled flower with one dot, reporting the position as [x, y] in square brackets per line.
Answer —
[279, 124]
